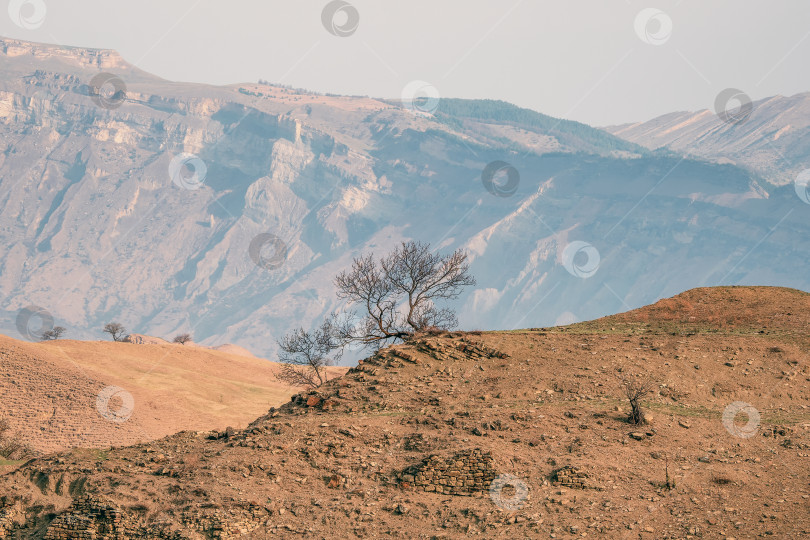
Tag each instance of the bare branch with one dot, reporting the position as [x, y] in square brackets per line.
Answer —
[305, 355]
[398, 293]
[635, 389]
[116, 330]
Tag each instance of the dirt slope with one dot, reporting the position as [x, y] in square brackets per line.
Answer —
[353, 459]
[774, 309]
[53, 393]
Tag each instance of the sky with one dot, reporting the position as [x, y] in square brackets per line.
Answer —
[595, 61]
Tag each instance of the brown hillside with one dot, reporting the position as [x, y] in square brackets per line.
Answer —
[761, 308]
[407, 445]
[50, 391]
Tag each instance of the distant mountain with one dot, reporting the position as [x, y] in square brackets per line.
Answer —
[774, 141]
[103, 216]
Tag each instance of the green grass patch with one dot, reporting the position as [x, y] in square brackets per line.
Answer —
[98, 454]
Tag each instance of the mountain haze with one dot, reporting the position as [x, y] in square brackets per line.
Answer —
[773, 140]
[93, 228]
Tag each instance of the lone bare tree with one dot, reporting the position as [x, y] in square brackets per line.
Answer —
[182, 339]
[54, 333]
[306, 354]
[116, 330]
[397, 294]
[636, 388]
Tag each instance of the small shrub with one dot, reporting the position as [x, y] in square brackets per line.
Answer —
[11, 447]
[433, 331]
[182, 339]
[116, 330]
[635, 389]
[55, 333]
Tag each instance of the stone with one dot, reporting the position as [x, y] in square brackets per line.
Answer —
[401, 509]
[465, 473]
[313, 401]
[335, 481]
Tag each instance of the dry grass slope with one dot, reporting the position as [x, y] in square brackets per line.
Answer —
[399, 445]
[50, 390]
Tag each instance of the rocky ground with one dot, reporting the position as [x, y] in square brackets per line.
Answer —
[496, 434]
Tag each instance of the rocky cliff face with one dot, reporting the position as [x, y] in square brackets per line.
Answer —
[772, 141]
[227, 210]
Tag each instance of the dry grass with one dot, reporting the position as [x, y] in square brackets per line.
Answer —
[174, 387]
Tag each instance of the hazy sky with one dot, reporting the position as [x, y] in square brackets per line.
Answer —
[584, 60]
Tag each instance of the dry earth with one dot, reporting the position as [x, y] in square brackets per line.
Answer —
[355, 458]
[52, 392]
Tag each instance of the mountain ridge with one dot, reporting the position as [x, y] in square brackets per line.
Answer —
[769, 141]
[98, 228]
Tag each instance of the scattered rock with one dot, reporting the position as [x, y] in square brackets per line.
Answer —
[313, 401]
[401, 510]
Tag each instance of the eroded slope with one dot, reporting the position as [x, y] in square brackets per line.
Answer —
[380, 451]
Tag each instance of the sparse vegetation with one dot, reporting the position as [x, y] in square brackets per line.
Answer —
[669, 483]
[545, 403]
[306, 354]
[182, 339]
[116, 330]
[11, 447]
[635, 389]
[721, 480]
[55, 333]
[398, 294]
